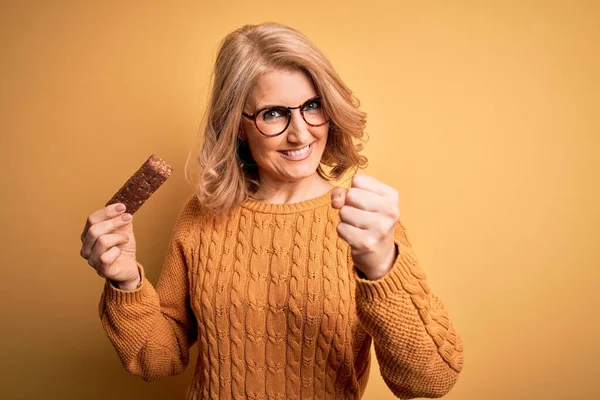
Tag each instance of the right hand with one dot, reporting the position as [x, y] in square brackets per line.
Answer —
[108, 244]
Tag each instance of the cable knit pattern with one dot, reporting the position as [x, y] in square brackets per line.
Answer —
[272, 298]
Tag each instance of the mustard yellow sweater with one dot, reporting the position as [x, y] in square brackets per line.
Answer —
[279, 312]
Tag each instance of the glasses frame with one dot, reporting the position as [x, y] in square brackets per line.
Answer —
[289, 116]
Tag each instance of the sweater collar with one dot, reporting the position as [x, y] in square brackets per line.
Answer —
[288, 208]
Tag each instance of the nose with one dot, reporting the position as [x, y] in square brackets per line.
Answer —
[297, 131]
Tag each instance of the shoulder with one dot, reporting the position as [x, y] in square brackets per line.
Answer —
[192, 206]
[191, 216]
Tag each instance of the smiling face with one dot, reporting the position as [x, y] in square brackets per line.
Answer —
[294, 155]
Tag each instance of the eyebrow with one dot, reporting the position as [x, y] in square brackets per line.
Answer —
[281, 105]
[268, 106]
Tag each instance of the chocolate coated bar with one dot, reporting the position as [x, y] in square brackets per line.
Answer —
[151, 175]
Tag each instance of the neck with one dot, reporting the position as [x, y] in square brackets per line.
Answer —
[291, 192]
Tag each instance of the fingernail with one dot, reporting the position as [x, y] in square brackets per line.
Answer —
[126, 217]
[120, 207]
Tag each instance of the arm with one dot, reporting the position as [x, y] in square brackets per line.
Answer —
[419, 352]
[153, 329]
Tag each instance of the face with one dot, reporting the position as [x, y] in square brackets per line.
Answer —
[294, 155]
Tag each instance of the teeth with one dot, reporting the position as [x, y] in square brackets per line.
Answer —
[296, 152]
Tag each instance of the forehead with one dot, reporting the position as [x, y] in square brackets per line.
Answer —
[281, 87]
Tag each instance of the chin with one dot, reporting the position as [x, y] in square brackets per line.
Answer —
[300, 174]
[293, 173]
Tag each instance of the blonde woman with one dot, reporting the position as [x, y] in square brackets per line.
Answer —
[282, 278]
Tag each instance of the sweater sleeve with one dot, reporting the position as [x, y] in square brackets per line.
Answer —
[418, 350]
[151, 328]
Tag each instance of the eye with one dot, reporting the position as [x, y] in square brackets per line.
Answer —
[272, 114]
[312, 105]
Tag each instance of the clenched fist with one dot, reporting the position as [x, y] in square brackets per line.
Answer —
[368, 216]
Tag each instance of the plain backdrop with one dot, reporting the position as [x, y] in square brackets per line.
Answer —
[483, 114]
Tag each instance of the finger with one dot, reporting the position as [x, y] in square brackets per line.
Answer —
[102, 228]
[356, 217]
[102, 214]
[338, 196]
[105, 242]
[365, 200]
[104, 267]
[351, 234]
[371, 184]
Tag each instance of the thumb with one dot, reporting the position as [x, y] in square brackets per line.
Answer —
[338, 197]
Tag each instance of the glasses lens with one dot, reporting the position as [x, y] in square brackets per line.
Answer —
[313, 112]
[272, 120]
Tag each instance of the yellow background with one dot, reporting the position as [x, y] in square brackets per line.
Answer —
[484, 115]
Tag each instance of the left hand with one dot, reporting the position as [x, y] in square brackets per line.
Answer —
[368, 214]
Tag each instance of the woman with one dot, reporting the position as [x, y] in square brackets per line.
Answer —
[282, 278]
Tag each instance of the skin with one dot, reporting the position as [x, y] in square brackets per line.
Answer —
[368, 216]
[108, 245]
[282, 180]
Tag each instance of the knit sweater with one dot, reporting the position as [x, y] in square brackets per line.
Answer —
[271, 296]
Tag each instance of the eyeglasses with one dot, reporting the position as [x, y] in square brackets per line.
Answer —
[274, 120]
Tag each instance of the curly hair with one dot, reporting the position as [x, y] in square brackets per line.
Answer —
[228, 174]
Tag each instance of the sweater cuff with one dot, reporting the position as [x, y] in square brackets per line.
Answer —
[118, 296]
[403, 273]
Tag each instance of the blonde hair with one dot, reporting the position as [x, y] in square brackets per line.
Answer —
[228, 174]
